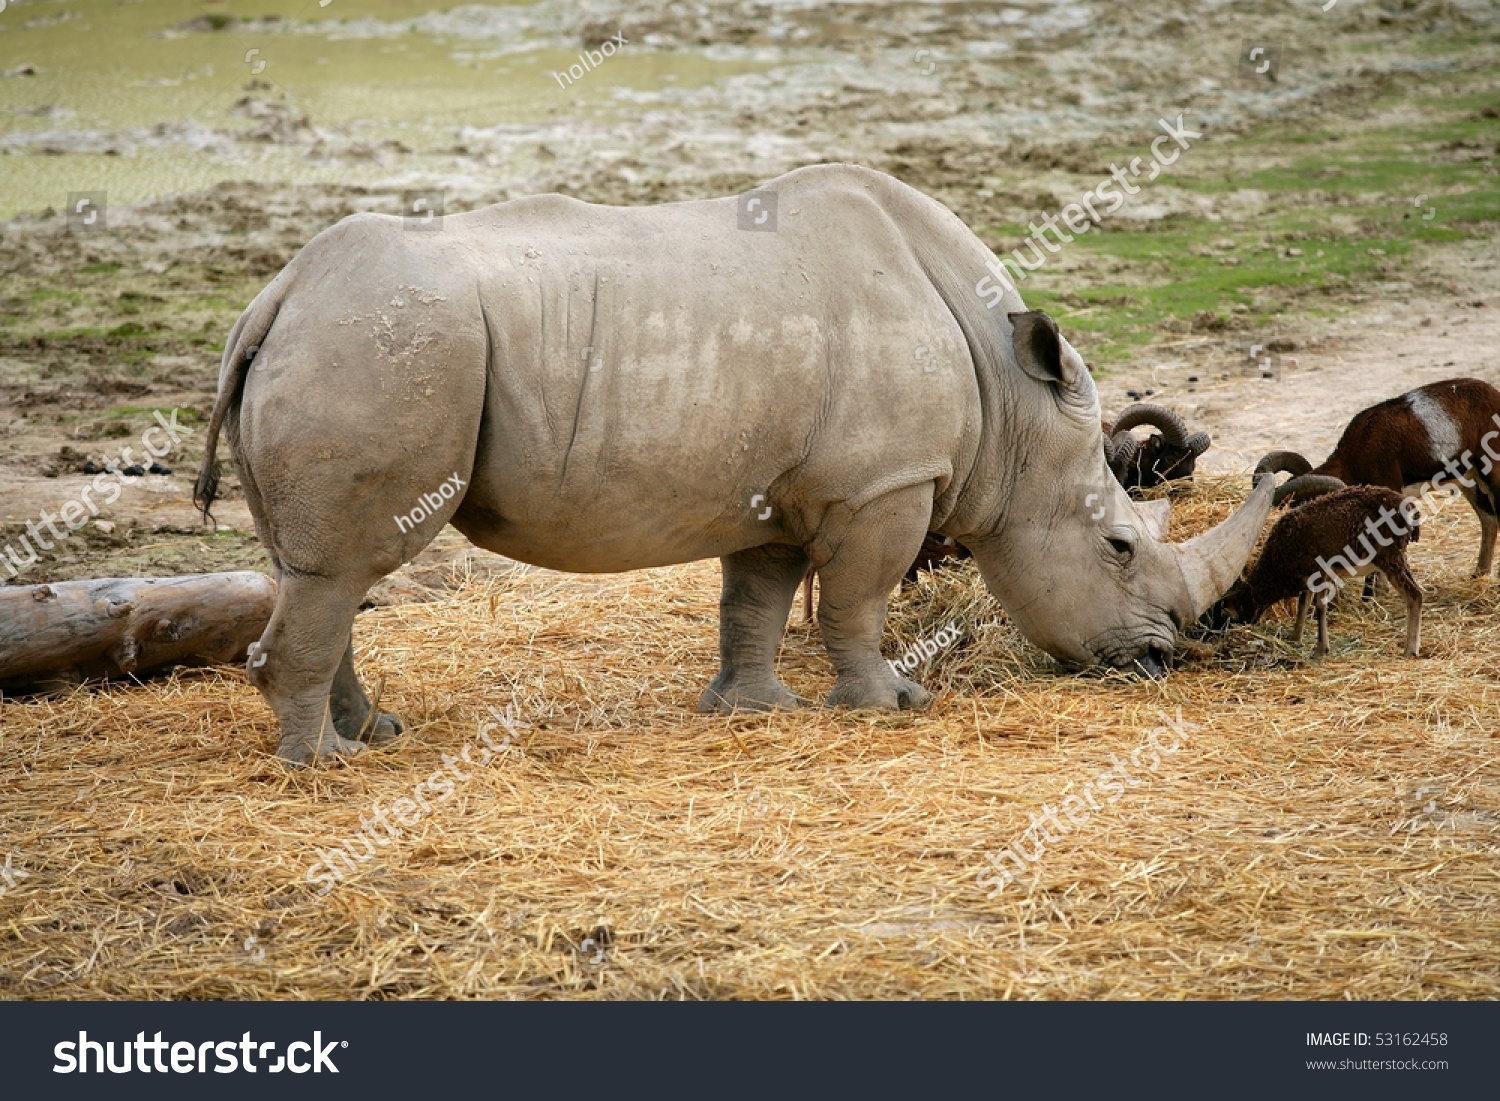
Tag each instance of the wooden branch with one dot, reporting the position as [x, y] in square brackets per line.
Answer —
[52, 636]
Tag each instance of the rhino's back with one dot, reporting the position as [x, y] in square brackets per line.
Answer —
[664, 363]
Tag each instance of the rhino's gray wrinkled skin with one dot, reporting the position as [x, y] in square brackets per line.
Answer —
[616, 388]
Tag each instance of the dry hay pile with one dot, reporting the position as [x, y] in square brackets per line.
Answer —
[1328, 831]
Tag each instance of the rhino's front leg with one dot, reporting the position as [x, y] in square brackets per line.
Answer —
[759, 587]
[873, 551]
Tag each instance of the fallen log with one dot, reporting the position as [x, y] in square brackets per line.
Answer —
[54, 636]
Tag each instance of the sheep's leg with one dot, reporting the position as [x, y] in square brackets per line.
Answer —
[1399, 575]
[1482, 500]
[807, 599]
[1369, 593]
[1302, 599]
[1321, 603]
[1489, 526]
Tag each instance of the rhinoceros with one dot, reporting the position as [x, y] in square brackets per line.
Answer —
[810, 379]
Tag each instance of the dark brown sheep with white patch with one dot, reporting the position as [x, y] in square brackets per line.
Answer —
[1446, 433]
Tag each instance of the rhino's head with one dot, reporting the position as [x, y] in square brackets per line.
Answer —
[1083, 571]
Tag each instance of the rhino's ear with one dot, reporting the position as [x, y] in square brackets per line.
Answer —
[1042, 353]
[1038, 345]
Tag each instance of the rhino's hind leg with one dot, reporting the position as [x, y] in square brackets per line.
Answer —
[759, 587]
[298, 659]
[874, 550]
[351, 707]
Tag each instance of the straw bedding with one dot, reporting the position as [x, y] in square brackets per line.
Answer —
[1328, 831]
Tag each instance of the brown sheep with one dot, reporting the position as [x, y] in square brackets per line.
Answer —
[1309, 544]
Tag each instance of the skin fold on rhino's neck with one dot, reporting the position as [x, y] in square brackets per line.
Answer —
[987, 502]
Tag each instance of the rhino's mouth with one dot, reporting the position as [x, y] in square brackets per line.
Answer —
[1154, 663]
[1151, 658]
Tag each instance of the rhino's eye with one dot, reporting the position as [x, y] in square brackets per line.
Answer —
[1123, 547]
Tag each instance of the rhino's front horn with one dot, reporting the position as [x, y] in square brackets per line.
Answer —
[1212, 562]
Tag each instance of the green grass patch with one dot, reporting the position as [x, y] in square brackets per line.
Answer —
[1339, 210]
[146, 412]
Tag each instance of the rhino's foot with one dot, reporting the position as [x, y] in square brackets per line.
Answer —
[889, 692]
[352, 710]
[356, 721]
[726, 696]
[297, 750]
[385, 729]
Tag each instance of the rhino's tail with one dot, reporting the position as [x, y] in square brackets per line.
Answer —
[244, 341]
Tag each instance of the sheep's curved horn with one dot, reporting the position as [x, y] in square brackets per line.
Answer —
[1283, 462]
[1198, 442]
[1159, 417]
[1304, 486]
[1122, 451]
